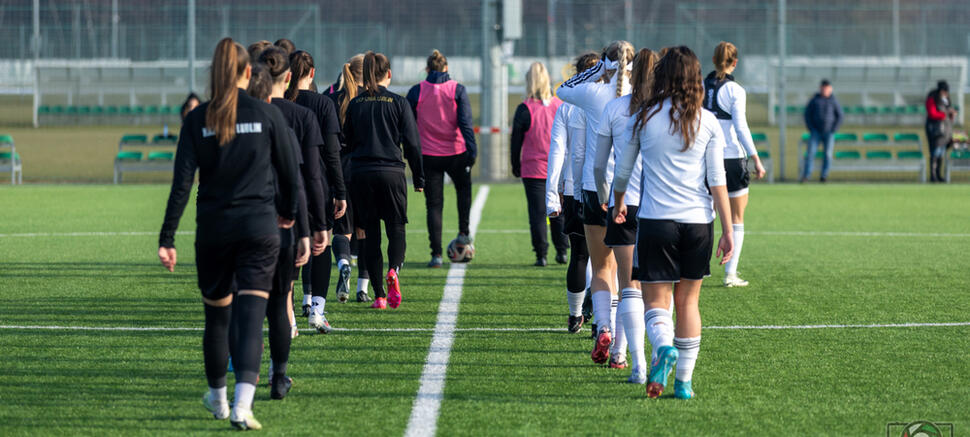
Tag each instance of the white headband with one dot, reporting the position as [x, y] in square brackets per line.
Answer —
[614, 65]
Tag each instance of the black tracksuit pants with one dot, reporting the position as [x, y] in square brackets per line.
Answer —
[535, 195]
[435, 168]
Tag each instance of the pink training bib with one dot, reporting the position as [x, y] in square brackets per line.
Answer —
[437, 119]
[535, 145]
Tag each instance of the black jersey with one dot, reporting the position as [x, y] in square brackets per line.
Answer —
[237, 185]
[301, 228]
[326, 116]
[304, 125]
[376, 129]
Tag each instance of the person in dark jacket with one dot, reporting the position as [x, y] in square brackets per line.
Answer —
[248, 188]
[823, 116]
[444, 117]
[939, 127]
[378, 123]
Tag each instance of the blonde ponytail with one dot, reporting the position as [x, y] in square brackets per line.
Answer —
[725, 55]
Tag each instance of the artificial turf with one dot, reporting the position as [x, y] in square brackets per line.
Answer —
[834, 254]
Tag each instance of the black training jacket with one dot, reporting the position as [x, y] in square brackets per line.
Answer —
[326, 115]
[376, 128]
[304, 125]
[236, 198]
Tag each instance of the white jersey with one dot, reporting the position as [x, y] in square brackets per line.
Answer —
[674, 180]
[617, 125]
[559, 179]
[577, 141]
[731, 98]
[583, 91]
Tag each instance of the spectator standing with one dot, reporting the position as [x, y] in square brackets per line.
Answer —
[939, 127]
[823, 116]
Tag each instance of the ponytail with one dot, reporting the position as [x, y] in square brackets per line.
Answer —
[300, 65]
[350, 87]
[620, 52]
[725, 55]
[228, 64]
[376, 66]
[437, 61]
[642, 80]
[277, 62]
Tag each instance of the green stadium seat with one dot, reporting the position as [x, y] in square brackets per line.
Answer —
[847, 154]
[806, 136]
[72, 110]
[161, 139]
[176, 109]
[134, 139]
[43, 109]
[906, 138]
[165, 110]
[872, 110]
[6, 139]
[875, 138]
[879, 154]
[161, 156]
[98, 110]
[819, 155]
[846, 138]
[792, 109]
[759, 137]
[128, 155]
[909, 154]
[860, 110]
[764, 154]
[5, 156]
[112, 110]
[138, 109]
[58, 109]
[899, 110]
[126, 110]
[152, 110]
[960, 154]
[912, 109]
[887, 110]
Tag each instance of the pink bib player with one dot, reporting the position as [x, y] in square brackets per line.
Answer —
[535, 145]
[437, 119]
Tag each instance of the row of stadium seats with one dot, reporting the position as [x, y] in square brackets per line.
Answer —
[128, 160]
[900, 138]
[109, 110]
[867, 110]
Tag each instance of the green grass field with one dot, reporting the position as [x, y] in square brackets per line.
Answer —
[835, 254]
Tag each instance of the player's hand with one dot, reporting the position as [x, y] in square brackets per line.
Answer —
[167, 256]
[418, 190]
[555, 214]
[605, 207]
[284, 223]
[725, 248]
[759, 169]
[302, 252]
[339, 208]
[619, 214]
[319, 242]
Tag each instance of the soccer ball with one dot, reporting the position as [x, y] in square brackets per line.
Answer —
[460, 252]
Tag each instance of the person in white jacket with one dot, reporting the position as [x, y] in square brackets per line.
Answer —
[727, 99]
[614, 135]
[681, 148]
[564, 199]
[591, 90]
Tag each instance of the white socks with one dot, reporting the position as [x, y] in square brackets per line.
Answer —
[319, 303]
[602, 307]
[660, 329]
[217, 394]
[362, 284]
[306, 299]
[244, 396]
[341, 263]
[619, 335]
[630, 309]
[688, 349]
[576, 302]
[731, 268]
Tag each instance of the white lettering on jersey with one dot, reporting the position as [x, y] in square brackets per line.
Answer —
[241, 128]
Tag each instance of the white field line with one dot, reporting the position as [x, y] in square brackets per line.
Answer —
[526, 231]
[496, 330]
[427, 404]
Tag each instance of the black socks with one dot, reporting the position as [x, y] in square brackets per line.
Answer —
[215, 344]
[247, 319]
[279, 331]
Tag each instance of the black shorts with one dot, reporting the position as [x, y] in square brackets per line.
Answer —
[572, 219]
[668, 251]
[286, 271]
[737, 176]
[252, 263]
[625, 234]
[380, 195]
[593, 214]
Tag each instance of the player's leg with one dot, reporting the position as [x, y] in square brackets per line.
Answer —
[658, 255]
[215, 283]
[629, 328]
[395, 218]
[306, 273]
[342, 229]
[604, 275]
[461, 176]
[434, 199]
[535, 190]
[576, 272]
[697, 242]
[280, 332]
[738, 205]
[320, 285]
[559, 239]
[363, 276]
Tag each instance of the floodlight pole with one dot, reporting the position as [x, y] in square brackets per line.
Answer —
[115, 19]
[782, 98]
[35, 48]
[897, 49]
[191, 47]
[495, 97]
